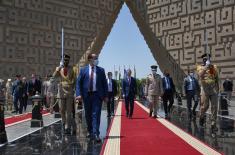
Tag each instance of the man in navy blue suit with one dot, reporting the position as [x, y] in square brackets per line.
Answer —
[92, 88]
[129, 92]
[168, 92]
[112, 92]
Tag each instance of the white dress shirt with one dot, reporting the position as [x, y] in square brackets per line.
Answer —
[110, 85]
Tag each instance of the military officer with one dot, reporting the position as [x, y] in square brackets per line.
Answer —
[51, 92]
[9, 98]
[67, 75]
[153, 90]
[209, 80]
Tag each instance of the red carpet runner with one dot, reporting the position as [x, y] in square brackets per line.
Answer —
[19, 118]
[142, 135]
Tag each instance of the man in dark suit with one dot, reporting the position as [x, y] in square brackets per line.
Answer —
[129, 90]
[112, 92]
[168, 92]
[228, 87]
[34, 86]
[192, 92]
[25, 96]
[17, 93]
[92, 88]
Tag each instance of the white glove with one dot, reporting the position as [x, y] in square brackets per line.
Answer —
[208, 63]
[61, 64]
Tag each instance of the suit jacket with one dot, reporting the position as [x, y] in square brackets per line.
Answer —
[25, 88]
[228, 85]
[187, 83]
[172, 86]
[129, 89]
[114, 87]
[82, 85]
[33, 87]
[17, 88]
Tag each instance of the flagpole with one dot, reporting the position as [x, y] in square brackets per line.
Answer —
[62, 46]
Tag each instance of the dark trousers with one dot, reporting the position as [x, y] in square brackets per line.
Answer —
[25, 102]
[129, 104]
[190, 95]
[92, 106]
[168, 96]
[17, 98]
[110, 104]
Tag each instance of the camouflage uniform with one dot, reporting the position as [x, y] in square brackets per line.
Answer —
[9, 97]
[66, 95]
[209, 81]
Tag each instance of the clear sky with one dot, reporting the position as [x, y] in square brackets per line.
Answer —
[126, 46]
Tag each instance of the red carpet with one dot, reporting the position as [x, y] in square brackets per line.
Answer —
[15, 119]
[146, 136]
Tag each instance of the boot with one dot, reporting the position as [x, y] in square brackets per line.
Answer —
[214, 128]
[201, 121]
[150, 113]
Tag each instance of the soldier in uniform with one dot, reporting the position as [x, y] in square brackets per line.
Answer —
[153, 90]
[209, 80]
[9, 98]
[67, 74]
[51, 92]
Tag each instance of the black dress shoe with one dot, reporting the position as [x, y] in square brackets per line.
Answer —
[74, 132]
[201, 121]
[155, 116]
[14, 112]
[166, 116]
[214, 128]
[97, 139]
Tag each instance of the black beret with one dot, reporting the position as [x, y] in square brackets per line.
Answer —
[154, 66]
[67, 57]
[205, 55]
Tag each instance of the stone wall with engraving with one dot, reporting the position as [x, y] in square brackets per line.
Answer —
[30, 32]
[186, 27]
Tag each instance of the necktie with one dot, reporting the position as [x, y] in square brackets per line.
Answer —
[65, 71]
[168, 83]
[91, 78]
[193, 83]
[110, 88]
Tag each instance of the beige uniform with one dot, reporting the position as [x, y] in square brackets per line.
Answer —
[209, 81]
[51, 87]
[66, 94]
[153, 90]
[9, 98]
